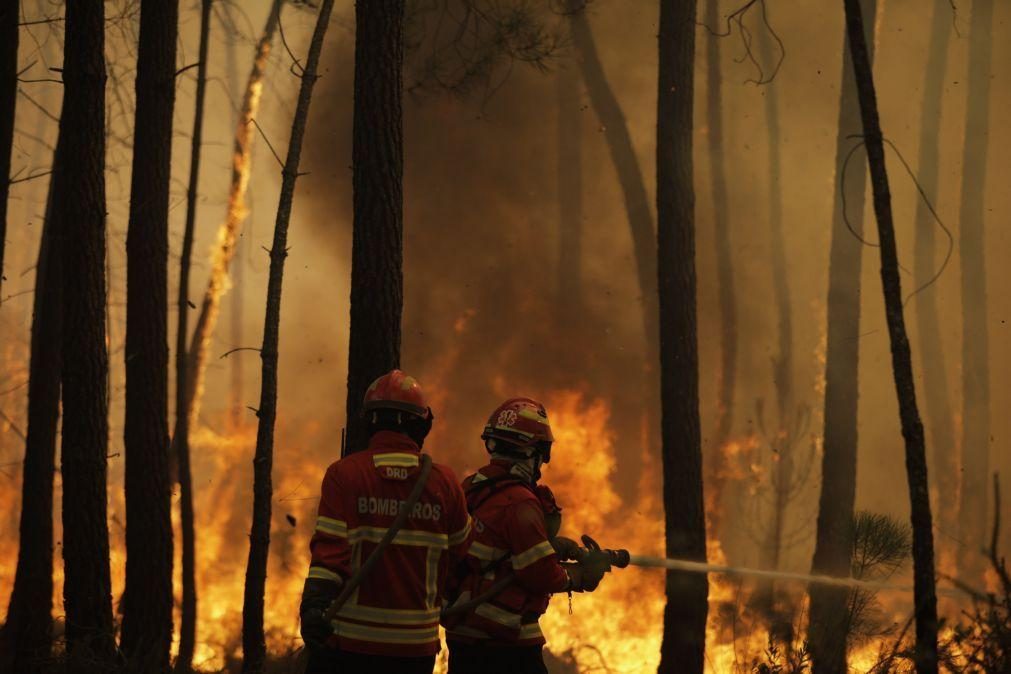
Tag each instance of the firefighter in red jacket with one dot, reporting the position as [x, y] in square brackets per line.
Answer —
[391, 621]
[516, 548]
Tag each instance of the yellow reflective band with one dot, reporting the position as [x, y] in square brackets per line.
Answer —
[478, 477]
[404, 536]
[531, 414]
[528, 557]
[500, 616]
[323, 574]
[328, 525]
[461, 535]
[395, 459]
[390, 616]
[517, 431]
[485, 553]
[531, 631]
[384, 635]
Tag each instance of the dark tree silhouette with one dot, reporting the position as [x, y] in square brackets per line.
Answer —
[975, 344]
[253, 644]
[833, 538]
[377, 279]
[940, 419]
[8, 96]
[924, 588]
[26, 637]
[81, 215]
[181, 432]
[570, 195]
[147, 597]
[683, 647]
[724, 264]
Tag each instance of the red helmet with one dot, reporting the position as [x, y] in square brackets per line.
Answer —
[521, 421]
[397, 391]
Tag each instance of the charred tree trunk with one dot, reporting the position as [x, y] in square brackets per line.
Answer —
[724, 269]
[975, 344]
[944, 454]
[81, 214]
[253, 645]
[147, 597]
[684, 633]
[570, 196]
[8, 96]
[637, 209]
[827, 632]
[782, 362]
[924, 589]
[238, 299]
[181, 432]
[26, 638]
[377, 278]
[228, 233]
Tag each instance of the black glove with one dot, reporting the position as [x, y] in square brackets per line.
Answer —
[586, 575]
[566, 548]
[317, 595]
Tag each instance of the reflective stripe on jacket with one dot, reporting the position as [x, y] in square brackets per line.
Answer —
[510, 538]
[395, 610]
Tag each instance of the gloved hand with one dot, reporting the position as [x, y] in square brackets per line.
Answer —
[566, 548]
[585, 576]
[317, 595]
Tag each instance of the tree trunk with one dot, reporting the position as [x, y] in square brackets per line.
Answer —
[8, 96]
[253, 645]
[827, 632]
[147, 597]
[975, 347]
[181, 432]
[637, 209]
[377, 279]
[944, 454]
[81, 214]
[570, 197]
[684, 633]
[782, 362]
[924, 590]
[724, 271]
[228, 233]
[26, 638]
[238, 300]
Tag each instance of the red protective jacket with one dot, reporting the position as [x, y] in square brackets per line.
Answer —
[510, 538]
[395, 611]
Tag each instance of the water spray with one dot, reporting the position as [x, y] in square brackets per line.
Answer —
[648, 562]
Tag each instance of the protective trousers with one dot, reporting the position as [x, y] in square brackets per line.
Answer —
[485, 659]
[336, 661]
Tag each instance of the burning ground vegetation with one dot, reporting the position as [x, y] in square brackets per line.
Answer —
[752, 627]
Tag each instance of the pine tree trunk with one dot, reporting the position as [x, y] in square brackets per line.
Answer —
[975, 344]
[26, 638]
[924, 589]
[181, 432]
[944, 455]
[683, 646]
[377, 279]
[724, 269]
[228, 233]
[570, 197]
[8, 96]
[238, 299]
[637, 210]
[147, 597]
[81, 215]
[828, 629]
[253, 644]
[782, 362]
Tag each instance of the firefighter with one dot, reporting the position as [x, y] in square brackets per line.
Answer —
[391, 622]
[516, 548]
